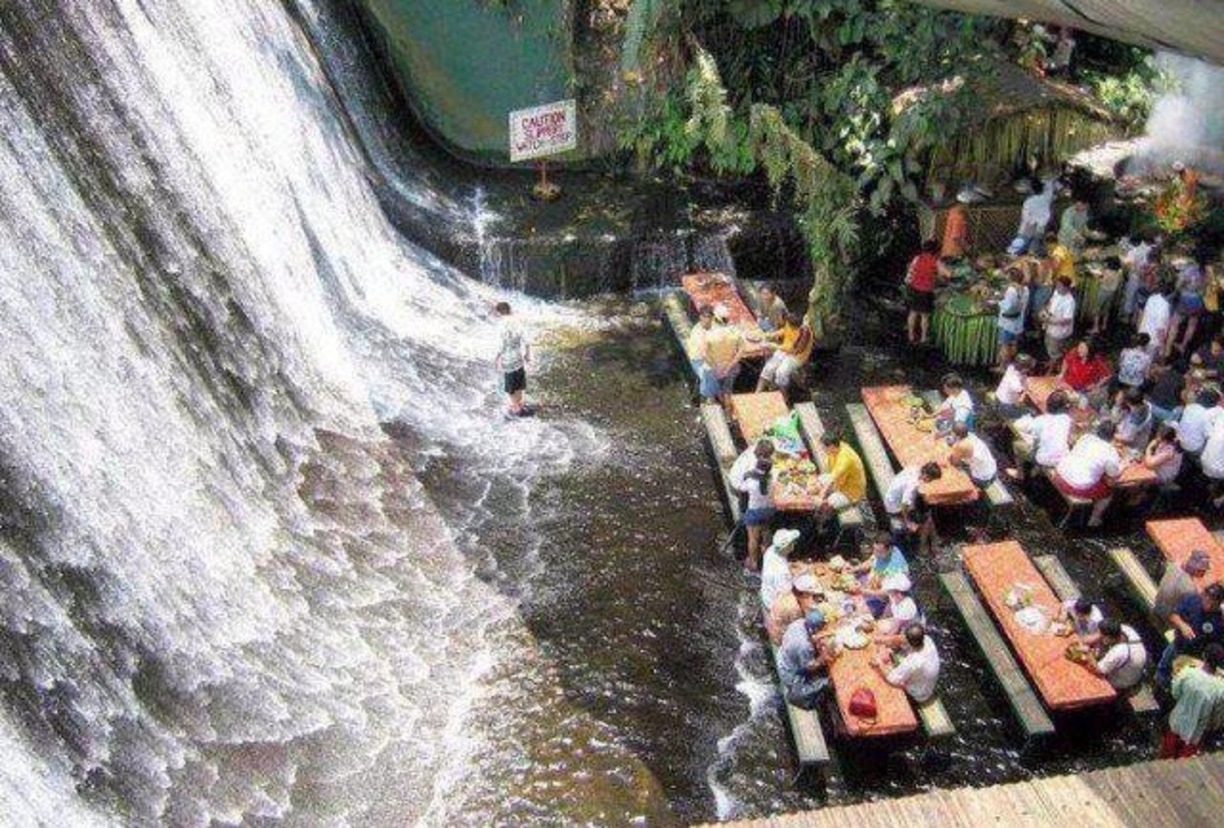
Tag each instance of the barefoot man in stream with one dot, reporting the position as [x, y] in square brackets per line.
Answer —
[513, 352]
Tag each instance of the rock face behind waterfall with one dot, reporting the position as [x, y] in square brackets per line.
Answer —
[223, 595]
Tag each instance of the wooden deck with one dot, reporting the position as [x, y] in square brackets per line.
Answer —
[1157, 794]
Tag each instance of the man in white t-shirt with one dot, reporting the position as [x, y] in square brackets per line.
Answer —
[1046, 438]
[1212, 460]
[1089, 470]
[1009, 395]
[1155, 318]
[1059, 315]
[1123, 655]
[513, 352]
[917, 671]
[901, 502]
[1197, 420]
[747, 461]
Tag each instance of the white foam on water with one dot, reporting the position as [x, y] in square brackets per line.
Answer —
[218, 605]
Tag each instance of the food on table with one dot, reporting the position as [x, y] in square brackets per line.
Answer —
[1060, 629]
[1078, 652]
[851, 639]
[837, 563]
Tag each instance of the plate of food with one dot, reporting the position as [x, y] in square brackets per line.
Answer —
[851, 639]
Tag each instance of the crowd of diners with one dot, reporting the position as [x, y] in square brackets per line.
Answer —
[1156, 399]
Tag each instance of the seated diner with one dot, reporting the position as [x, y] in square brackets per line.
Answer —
[1089, 469]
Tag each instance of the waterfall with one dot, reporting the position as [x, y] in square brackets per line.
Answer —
[224, 596]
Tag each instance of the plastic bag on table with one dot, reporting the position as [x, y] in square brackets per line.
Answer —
[785, 435]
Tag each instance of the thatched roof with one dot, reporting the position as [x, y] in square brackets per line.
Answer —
[1015, 116]
[1002, 89]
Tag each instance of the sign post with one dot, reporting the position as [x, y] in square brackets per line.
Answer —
[542, 131]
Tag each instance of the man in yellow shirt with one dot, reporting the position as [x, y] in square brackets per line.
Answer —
[1062, 260]
[846, 482]
[795, 342]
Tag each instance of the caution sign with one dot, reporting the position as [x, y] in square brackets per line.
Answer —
[543, 130]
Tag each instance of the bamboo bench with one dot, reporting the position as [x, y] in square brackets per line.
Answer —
[849, 519]
[1140, 699]
[1020, 694]
[810, 745]
[811, 748]
[718, 432]
[679, 324]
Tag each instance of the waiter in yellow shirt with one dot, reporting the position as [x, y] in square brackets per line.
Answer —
[846, 482]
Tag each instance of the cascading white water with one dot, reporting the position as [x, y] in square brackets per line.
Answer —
[213, 606]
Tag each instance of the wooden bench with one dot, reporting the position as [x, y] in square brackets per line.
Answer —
[718, 432]
[850, 519]
[810, 746]
[871, 446]
[1072, 502]
[811, 749]
[996, 492]
[1020, 695]
[679, 324]
[1140, 582]
[1140, 699]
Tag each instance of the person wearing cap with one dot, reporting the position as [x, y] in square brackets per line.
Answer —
[1197, 622]
[775, 566]
[1084, 618]
[1122, 655]
[803, 661]
[914, 667]
[846, 482]
[886, 559]
[900, 610]
[805, 594]
[1180, 581]
[793, 346]
[1199, 708]
[721, 355]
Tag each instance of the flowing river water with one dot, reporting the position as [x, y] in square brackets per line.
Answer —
[268, 550]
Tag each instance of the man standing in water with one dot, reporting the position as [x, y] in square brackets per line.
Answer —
[513, 352]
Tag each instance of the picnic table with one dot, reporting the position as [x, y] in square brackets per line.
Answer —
[890, 407]
[1178, 537]
[1134, 474]
[1000, 568]
[794, 485]
[719, 289]
[853, 668]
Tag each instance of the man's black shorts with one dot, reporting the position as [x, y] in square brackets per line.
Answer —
[516, 380]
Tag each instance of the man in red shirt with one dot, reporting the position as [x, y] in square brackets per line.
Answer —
[920, 279]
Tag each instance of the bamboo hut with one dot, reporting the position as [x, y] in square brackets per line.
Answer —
[1014, 124]
[1015, 119]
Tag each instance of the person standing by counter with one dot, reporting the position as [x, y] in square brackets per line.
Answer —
[920, 279]
[1012, 308]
